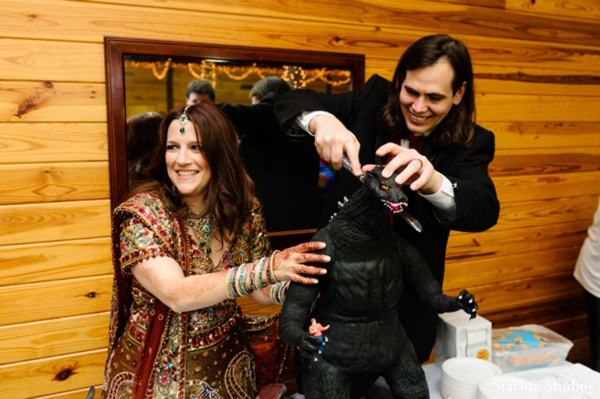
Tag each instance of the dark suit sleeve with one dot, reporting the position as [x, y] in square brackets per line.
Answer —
[477, 204]
[253, 120]
[344, 106]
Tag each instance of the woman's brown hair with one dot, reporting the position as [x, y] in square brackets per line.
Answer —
[458, 127]
[230, 191]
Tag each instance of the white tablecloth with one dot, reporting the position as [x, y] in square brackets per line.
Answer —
[557, 378]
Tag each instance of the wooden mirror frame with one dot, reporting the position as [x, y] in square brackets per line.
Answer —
[117, 47]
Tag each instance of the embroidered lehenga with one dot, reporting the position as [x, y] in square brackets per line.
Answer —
[157, 353]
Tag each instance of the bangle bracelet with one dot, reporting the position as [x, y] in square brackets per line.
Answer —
[229, 283]
[241, 282]
[278, 292]
[270, 271]
[252, 276]
[259, 274]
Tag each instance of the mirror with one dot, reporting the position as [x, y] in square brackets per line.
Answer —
[138, 69]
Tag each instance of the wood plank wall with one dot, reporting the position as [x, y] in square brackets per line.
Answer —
[537, 67]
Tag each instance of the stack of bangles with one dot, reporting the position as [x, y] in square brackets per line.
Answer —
[236, 286]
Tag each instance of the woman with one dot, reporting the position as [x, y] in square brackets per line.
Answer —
[430, 99]
[184, 247]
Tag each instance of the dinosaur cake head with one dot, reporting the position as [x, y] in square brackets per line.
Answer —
[387, 190]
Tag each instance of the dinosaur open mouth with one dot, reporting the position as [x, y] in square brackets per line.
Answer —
[395, 207]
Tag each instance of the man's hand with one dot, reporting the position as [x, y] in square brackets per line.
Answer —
[332, 140]
[414, 169]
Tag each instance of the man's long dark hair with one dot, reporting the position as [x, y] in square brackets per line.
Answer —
[457, 128]
[230, 191]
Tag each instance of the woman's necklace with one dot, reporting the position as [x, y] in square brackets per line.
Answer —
[204, 229]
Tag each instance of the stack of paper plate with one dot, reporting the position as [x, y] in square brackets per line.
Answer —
[461, 376]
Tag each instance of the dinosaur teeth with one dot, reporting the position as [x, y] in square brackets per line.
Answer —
[395, 207]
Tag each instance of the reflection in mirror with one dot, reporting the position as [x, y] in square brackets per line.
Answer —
[146, 78]
[157, 84]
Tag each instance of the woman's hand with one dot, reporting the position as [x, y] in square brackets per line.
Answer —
[414, 169]
[288, 265]
[332, 140]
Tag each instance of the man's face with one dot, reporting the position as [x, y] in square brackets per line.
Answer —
[195, 98]
[426, 96]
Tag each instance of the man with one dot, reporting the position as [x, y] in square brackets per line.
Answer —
[198, 91]
[430, 100]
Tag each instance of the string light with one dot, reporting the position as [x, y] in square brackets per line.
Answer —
[297, 76]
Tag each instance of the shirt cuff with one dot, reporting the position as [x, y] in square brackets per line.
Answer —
[443, 200]
[303, 120]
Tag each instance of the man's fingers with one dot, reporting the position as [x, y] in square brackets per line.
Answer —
[352, 154]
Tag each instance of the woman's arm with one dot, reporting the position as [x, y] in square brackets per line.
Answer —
[164, 278]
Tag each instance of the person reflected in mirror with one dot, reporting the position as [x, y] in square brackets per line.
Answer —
[421, 124]
[186, 245]
[587, 273]
[286, 174]
[198, 91]
[142, 141]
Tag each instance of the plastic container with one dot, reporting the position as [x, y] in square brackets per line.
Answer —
[528, 347]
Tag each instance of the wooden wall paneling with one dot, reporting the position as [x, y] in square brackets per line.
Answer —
[52, 142]
[49, 338]
[529, 292]
[560, 135]
[34, 263]
[580, 352]
[547, 161]
[576, 9]
[575, 328]
[497, 243]
[50, 60]
[91, 22]
[50, 182]
[523, 80]
[577, 331]
[517, 215]
[573, 59]
[60, 221]
[445, 16]
[50, 300]
[52, 375]
[544, 313]
[497, 269]
[498, 4]
[543, 187]
[536, 108]
[52, 102]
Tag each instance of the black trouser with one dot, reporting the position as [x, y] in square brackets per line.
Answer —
[593, 309]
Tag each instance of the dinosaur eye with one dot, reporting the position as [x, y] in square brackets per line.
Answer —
[385, 187]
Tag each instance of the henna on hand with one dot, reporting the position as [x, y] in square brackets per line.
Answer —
[290, 262]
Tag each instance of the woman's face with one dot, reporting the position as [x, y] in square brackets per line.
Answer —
[426, 96]
[186, 165]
